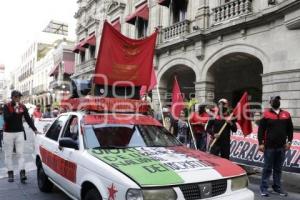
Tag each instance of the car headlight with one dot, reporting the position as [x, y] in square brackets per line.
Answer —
[239, 183]
[134, 194]
[160, 194]
[151, 194]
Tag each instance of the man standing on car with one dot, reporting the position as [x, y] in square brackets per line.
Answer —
[275, 135]
[13, 113]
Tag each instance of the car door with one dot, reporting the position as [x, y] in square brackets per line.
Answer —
[70, 156]
[49, 148]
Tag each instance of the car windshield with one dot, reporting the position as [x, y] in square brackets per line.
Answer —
[126, 136]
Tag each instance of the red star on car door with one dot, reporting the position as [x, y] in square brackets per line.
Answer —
[112, 192]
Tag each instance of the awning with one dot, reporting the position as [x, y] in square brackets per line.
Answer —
[68, 62]
[142, 12]
[164, 2]
[78, 47]
[116, 24]
[54, 70]
[91, 40]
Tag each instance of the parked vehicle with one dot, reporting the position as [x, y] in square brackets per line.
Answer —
[130, 156]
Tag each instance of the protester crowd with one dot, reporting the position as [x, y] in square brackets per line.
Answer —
[207, 129]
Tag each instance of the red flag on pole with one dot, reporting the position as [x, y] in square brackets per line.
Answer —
[177, 100]
[242, 113]
[124, 59]
[153, 82]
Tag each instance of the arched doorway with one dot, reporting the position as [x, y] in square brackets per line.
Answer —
[186, 78]
[235, 73]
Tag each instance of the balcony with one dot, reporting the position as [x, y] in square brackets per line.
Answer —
[25, 93]
[231, 10]
[86, 65]
[60, 85]
[38, 89]
[53, 84]
[175, 31]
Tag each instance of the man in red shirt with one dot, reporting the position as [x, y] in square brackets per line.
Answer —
[275, 136]
[37, 114]
[198, 122]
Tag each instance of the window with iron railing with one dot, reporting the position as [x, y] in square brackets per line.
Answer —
[141, 27]
[92, 50]
[82, 56]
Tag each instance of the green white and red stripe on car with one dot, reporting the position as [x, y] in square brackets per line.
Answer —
[160, 166]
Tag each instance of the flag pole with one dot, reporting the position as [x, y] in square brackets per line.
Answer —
[220, 132]
[189, 124]
[192, 133]
[160, 105]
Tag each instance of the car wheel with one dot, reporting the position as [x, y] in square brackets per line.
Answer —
[93, 194]
[43, 182]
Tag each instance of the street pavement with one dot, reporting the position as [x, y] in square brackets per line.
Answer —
[30, 191]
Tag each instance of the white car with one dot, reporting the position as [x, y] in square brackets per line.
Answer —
[130, 157]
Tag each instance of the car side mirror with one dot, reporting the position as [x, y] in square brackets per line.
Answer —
[68, 143]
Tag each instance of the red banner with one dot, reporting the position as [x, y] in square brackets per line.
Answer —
[121, 119]
[242, 113]
[177, 100]
[124, 59]
[153, 82]
[101, 104]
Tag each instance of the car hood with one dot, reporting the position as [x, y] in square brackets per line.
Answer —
[162, 166]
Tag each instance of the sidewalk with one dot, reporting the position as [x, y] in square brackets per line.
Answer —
[290, 181]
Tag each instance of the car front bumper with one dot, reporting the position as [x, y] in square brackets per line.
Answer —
[243, 194]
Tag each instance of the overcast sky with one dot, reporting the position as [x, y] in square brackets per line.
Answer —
[22, 19]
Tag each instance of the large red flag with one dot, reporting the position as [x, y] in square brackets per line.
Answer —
[124, 59]
[242, 113]
[177, 100]
[153, 82]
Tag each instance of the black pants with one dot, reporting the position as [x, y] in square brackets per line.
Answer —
[221, 150]
[201, 141]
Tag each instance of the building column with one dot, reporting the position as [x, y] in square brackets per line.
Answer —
[205, 91]
[163, 97]
[285, 84]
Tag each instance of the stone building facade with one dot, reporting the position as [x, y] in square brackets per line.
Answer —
[216, 48]
[3, 85]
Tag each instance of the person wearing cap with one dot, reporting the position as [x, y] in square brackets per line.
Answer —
[222, 145]
[13, 133]
[275, 135]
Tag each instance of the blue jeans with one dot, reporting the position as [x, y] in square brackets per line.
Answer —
[273, 161]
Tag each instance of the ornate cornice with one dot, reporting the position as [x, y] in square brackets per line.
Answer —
[79, 12]
[114, 6]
